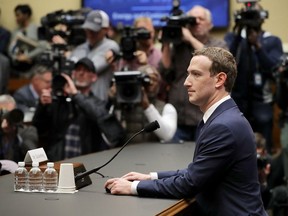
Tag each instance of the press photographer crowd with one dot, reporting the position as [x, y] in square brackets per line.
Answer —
[93, 85]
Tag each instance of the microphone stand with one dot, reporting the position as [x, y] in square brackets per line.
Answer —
[148, 128]
[82, 175]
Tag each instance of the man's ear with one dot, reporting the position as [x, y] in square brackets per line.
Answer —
[94, 77]
[221, 78]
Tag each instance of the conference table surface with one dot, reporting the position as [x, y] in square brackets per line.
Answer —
[92, 199]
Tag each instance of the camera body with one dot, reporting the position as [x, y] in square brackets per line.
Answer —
[128, 42]
[55, 58]
[129, 86]
[172, 32]
[73, 20]
[250, 17]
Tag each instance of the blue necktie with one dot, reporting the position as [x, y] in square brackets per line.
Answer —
[199, 128]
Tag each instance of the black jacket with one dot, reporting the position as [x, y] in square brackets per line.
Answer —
[91, 115]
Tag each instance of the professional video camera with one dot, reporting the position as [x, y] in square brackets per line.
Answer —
[128, 42]
[250, 16]
[55, 58]
[129, 86]
[172, 32]
[70, 20]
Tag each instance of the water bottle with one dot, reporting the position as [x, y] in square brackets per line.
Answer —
[35, 178]
[50, 178]
[21, 177]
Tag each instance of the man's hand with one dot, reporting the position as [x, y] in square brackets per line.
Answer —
[23, 58]
[189, 38]
[131, 176]
[57, 39]
[119, 186]
[145, 100]
[253, 38]
[69, 87]
[112, 91]
[46, 97]
[141, 57]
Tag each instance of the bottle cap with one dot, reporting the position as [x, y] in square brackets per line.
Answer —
[21, 163]
[50, 164]
[35, 163]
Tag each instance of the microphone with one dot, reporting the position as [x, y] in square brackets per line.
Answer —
[148, 128]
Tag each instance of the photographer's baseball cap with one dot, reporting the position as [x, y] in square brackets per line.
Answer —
[87, 63]
[96, 20]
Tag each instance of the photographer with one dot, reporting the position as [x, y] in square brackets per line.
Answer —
[135, 108]
[175, 60]
[16, 138]
[95, 48]
[25, 45]
[138, 45]
[76, 122]
[271, 175]
[257, 52]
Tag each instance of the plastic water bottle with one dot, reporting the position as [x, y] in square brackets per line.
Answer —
[50, 178]
[21, 177]
[35, 178]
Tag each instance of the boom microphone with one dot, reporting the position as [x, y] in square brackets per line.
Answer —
[148, 128]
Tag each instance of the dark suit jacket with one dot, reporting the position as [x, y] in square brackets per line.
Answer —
[223, 175]
[24, 98]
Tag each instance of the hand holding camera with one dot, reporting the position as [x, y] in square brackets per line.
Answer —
[141, 56]
[69, 87]
[46, 96]
[253, 38]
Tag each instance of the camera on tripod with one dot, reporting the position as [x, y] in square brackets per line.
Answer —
[70, 20]
[250, 16]
[172, 32]
[128, 42]
[129, 86]
[56, 59]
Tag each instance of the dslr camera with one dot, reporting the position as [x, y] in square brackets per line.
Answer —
[250, 16]
[172, 32]
[128, 41]
[72, 20]
[129, 86]
[55, 59]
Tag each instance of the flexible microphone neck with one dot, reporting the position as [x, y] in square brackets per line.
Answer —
[148, 128]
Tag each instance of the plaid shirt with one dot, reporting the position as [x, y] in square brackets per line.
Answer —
[72, 141]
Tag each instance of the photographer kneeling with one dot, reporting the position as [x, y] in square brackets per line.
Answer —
[77, 122]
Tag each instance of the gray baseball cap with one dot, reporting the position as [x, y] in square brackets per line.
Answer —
[96, 20]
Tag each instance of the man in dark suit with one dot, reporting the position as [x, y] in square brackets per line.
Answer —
[27, 96]
[223, 175]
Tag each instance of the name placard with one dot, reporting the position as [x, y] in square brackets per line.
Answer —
[35, 155]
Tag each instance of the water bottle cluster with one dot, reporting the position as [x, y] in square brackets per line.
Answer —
[35, 180]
